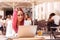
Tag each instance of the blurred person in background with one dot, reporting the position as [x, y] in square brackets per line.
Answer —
[8, 17]
[51, 21]
[1, 22]
[8, 22]
[4, 27]
[27, 20]
[56, 19]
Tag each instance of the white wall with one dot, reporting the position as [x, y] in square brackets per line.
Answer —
[57, 7]
[45, 9]
[36, 12]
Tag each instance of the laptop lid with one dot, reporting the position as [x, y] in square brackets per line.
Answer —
[27, 31]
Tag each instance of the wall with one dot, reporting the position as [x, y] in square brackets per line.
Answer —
[43, 10]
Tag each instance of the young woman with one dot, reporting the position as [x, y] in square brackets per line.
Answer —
[17, 20]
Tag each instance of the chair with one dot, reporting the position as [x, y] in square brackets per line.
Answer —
[42, 25]
[57, 33]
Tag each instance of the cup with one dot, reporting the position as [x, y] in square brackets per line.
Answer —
[39, 33]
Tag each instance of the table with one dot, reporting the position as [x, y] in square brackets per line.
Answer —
[54, 32]
[58, 28]
[29, 39]
[32, 38]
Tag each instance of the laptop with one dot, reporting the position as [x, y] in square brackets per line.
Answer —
[27, 31]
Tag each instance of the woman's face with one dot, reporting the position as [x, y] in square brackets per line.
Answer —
[20, 16]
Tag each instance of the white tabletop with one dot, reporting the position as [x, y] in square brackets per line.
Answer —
[29, 39]
[35, 38]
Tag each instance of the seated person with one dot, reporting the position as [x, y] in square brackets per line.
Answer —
[51, 22]
[27, 20]
[56, 19]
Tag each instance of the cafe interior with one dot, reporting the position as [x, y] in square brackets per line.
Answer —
[39, 12]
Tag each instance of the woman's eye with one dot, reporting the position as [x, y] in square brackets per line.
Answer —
[18, 15]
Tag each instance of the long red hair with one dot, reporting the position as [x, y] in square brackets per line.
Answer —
[14, 19]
